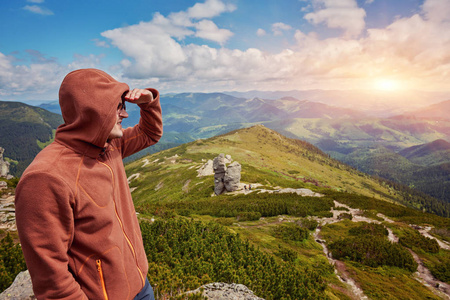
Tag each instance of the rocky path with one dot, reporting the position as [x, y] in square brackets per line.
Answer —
[7, 213]
[339, 267]
[423, 275]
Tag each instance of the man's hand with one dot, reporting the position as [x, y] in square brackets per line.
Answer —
[139, 96]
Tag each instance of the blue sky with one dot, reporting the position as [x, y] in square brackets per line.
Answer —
[224, 45]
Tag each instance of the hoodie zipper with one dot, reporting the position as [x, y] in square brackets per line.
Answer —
[123, 230]
[102, 279]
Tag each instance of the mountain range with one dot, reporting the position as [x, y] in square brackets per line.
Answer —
[353, 135]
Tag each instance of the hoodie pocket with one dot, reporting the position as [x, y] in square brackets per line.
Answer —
[102, 278]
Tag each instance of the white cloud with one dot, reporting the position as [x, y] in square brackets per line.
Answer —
[209, 9]
[344, 14]
[36, 81]
[206, 29]
[437, 10]
[38, 10]
[260, 32]
[100, 43]
[39, 80]
[417, 47]
[35, 1]
[154, 46]
[82, 61]
[278, 28]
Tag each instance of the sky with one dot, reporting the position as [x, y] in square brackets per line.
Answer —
[226, 45]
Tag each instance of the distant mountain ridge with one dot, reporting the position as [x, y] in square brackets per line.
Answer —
[428, 154]
[425, 167]
[438, 111]
[346, 134]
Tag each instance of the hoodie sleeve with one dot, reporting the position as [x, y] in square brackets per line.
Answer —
[45, 224]
[147, 132]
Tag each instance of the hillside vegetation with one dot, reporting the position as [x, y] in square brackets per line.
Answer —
[268, 241]
[25, 131]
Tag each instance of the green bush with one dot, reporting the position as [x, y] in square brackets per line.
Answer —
[286, 254]
[309, 224]
[249, 216]
[415, 239]
[373, 251]
[267, 205]
[441, 270]
[12, 261]
[185, 254]
[369, 228]
[291, 232]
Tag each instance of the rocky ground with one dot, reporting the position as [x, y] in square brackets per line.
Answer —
[7, 213]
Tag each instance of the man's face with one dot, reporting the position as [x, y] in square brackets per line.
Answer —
[116, 132]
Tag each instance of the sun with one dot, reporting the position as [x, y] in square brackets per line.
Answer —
[385, 84]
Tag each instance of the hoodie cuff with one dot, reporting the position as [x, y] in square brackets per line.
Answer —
[154, 102]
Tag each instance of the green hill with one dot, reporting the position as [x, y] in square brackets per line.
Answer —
[424, 167]
[434, 153]
[271, 242]
[273, 159]
[25, 131]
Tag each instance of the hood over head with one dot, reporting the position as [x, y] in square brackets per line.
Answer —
[88, 100]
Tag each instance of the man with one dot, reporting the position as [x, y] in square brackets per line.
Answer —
[75, 216]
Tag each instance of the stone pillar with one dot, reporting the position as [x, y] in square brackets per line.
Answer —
[219, 173]
[232, 177]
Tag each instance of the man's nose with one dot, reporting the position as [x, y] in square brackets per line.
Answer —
[123, 114]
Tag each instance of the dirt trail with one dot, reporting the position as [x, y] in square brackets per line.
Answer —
[423, 275]
[340, 269]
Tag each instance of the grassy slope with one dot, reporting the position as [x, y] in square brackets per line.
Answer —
[273, 159]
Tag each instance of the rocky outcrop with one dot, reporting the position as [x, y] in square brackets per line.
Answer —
[206, 170]
[232, 177]
[22, 289]
[4, 165]
[226, 291]
[226, 179]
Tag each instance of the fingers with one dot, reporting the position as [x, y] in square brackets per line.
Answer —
[139, 96]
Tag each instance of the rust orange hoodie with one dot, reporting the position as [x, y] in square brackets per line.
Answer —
[75, 216]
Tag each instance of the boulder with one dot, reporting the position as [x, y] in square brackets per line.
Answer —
[20, 289]
[219, 164]
[232, 177]
[206, 170]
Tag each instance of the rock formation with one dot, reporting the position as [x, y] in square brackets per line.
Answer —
[20, 289]
[222, 291]
[232, 177]
[219, 173]
[4, 165]
[206, 170]
[226, 179]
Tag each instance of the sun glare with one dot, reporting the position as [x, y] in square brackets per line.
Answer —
[387, 85]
